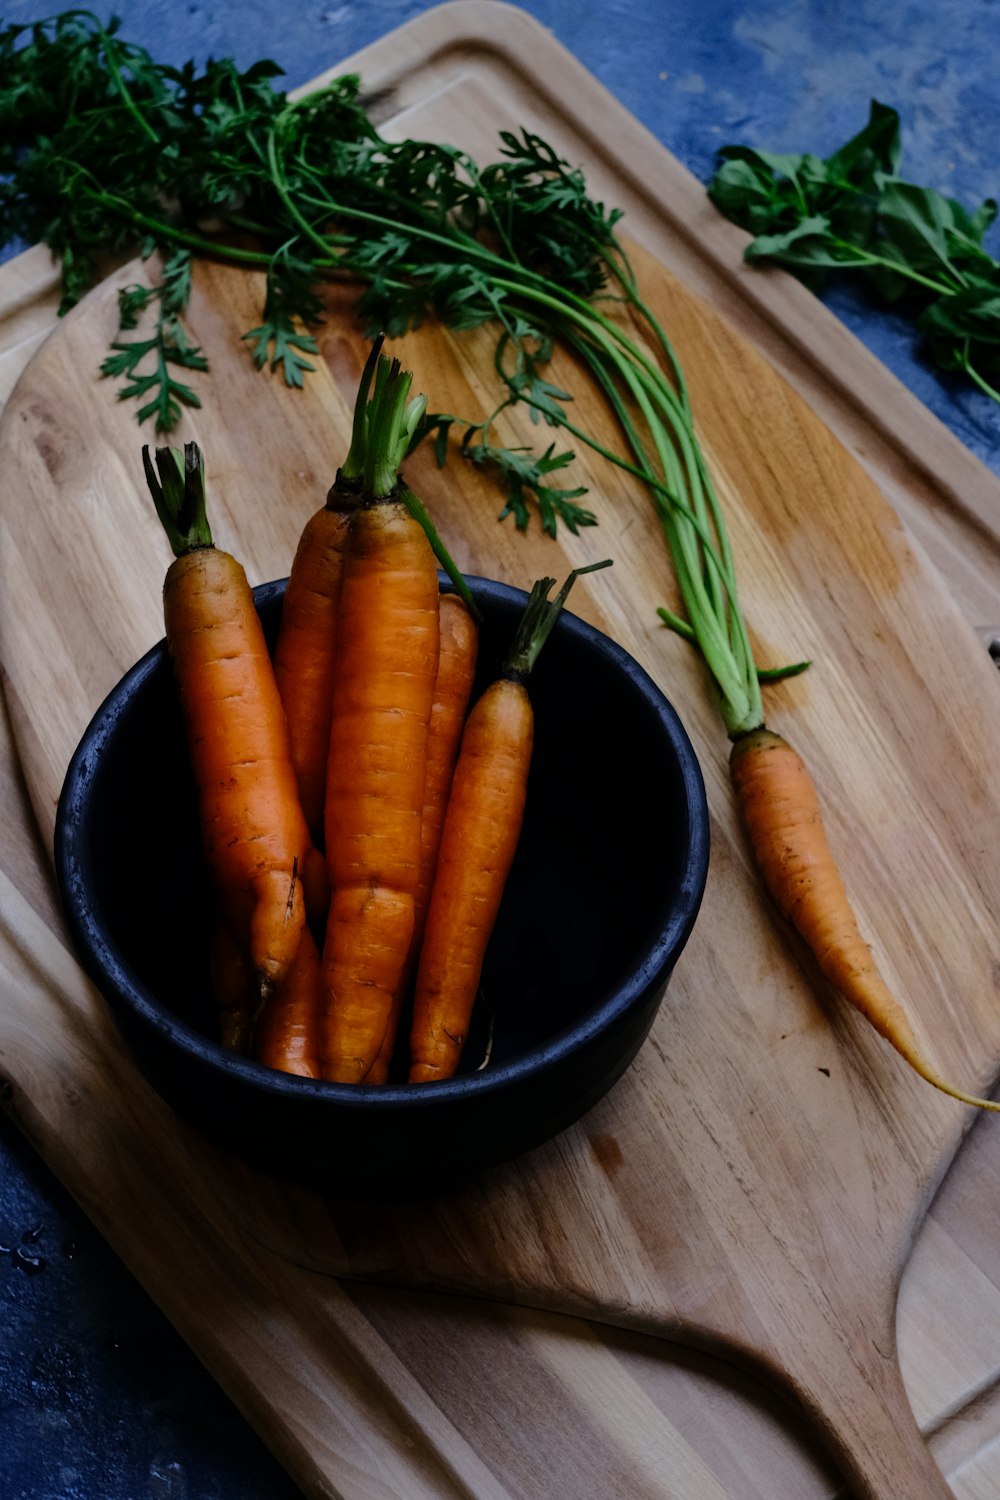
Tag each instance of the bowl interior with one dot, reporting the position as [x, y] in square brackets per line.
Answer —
[604, 861]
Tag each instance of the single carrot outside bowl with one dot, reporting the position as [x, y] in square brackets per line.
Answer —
[602, 897]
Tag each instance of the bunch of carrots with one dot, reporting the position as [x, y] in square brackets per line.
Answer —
[358, 821]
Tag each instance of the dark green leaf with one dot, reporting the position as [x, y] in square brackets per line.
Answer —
[916, 225]
[747, 196]
[972, 314]
[981, 219]
[876, 149]
[809, 244]
[913, 245]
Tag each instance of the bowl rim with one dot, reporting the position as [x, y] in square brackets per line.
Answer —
[107, 967]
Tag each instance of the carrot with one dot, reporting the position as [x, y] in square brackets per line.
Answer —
[479, 838]
[256, 842]
[774, 790]
[303, 655]
[287, 1034]
[780, 808]
[452, 688]
[386, 660]
[304, 651]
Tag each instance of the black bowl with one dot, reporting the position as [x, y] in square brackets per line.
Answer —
[604, 891]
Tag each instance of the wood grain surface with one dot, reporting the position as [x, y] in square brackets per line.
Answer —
[754, 1184]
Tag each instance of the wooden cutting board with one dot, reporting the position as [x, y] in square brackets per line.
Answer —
[754, 1183]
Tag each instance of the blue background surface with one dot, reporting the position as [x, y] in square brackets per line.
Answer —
[99, 1399]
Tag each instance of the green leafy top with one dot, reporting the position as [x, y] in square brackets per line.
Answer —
[852, 211]
[106, 151]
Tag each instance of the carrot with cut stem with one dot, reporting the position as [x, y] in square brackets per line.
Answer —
[452, 689]
[652, 404]
[781, 811]
[306, 645]
[256, 842]
[478, 841]
[286, 1036]
[386, 661]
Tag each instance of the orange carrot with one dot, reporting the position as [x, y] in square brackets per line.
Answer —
[253, 829]
[304, 652]
[452, 689]
[481, 829]
[385, 666]
[480, 836]
[780, 808]
[287, 1034]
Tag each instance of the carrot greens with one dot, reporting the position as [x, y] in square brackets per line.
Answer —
[106, 151]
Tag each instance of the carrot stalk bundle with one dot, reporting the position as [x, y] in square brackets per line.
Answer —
[254, 833]
[452, 690]
[478, 841]
[383, 687]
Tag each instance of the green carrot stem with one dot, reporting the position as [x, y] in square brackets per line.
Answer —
[382, 458]
[448, 564]
[686, 501]
[177, 485]
[384, 422]
[677, 625]
[162, 229]
[353, 468]
[778, 674]
[383, 427]
[110, 54]
[683, 545]
[667, 499]
[535, 627]
[764, 674]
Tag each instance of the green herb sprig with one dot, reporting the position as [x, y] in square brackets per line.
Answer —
[106, 151]
[854, 212]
